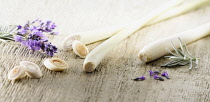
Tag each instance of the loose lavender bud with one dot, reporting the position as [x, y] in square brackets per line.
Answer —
[151, 73]
[157, 72]
[165, 74]
[140, 78]
[156, 77]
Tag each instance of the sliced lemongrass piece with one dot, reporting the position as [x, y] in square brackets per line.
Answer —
[67, 43]
[104, 33]
[95, 56]
[16, 73]
[32, 69]
[80, 49]
[147, 54]
[55, 64]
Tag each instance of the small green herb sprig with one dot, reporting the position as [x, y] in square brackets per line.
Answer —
[7, 33]
[181, 57]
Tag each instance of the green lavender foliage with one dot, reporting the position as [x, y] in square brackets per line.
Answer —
[7, 32]
[181, 57]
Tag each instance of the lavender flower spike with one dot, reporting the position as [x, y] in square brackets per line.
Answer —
[32, 35]
[18, 38]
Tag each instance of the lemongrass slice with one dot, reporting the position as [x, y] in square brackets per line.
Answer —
[32, 70]
[94, 57]
[55, 64]
[104, 33]
[147, 54]
[80, 49]
[16, 73]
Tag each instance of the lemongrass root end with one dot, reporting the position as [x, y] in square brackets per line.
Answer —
[143, 57]
[89, 67]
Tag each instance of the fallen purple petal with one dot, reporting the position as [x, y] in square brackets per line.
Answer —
[151, 73]
[140, 78]
[165, 74]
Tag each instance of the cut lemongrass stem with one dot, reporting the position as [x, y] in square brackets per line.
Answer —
[93, 59]
[147, 54]
[80, 49]
[104, 33]
[16, 73]
[55, 64]
[31, 69]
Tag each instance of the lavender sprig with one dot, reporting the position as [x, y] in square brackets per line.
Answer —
[32, 35]
[181, 57]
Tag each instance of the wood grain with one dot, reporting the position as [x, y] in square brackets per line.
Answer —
[111, 82]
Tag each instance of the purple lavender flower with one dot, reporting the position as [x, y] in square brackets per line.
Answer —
[156, 77]
[151, 73]
[165, 74]
[18, 38]
[140, 78]
[49, 49]
[32, 36]
[19, 27]
[32, 44]
[22, 31]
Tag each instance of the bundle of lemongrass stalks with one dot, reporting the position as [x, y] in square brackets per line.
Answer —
[173, 8]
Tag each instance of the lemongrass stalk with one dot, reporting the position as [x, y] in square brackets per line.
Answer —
[94, 57]
[178, 10]
[90, 36]
[104, 33]
[147, 54]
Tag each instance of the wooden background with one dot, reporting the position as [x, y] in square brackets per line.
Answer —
[111, 82]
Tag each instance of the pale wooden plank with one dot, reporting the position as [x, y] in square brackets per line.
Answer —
[112, 79]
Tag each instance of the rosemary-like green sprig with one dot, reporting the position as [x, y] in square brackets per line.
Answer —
[181, 57]
[7, 32]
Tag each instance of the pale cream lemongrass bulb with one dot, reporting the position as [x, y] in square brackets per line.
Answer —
[55, 64]
[80, 49]
[32, 69]
[16, 73]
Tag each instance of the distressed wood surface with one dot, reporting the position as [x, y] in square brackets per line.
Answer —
[111, 82]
